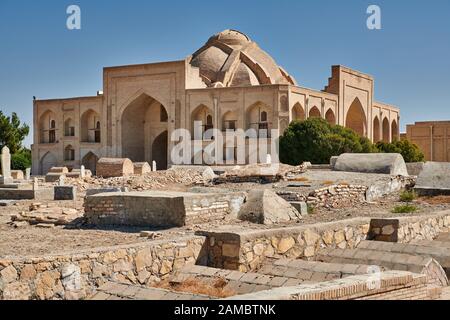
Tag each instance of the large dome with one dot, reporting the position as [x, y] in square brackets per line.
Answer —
[231, 59]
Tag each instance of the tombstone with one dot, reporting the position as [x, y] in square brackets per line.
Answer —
[35, 184]
[82, 172]
[382, 163]
[62, 181]
[63, 193]
[6, 166]
[27, 173]
[154, 166]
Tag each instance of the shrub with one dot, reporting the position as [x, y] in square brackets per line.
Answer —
[311, 209]
[408, 196]
[316, 141]
[406, 208]
[410, 151]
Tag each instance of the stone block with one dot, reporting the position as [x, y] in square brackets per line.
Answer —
[65, 193]
[92, 192]
[301, 207]
[384, 230]
[434, 179]
[114, 167]
[386, 163]
[17, 174]
[265, 207]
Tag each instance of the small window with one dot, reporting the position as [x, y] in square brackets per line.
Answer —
[263, 116]
[97, 126]
[52, 136]
[53, 124]
[70, 154]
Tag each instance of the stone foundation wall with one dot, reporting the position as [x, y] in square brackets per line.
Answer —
[246, 250]
[22, 194]
[247, 178]
[336, 196]
[160, 211]
[77, 275]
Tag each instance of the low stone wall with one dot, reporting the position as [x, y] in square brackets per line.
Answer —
[336, 196]
[77, 275]
[23, 194]
[159, 209]
[65, 193]
[247, 178]
[246, 250]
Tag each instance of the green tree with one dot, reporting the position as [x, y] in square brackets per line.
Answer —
[21, 160]
[315, 140]
[12, 132]
[410, 151]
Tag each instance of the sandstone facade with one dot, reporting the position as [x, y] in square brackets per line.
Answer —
[228, 84]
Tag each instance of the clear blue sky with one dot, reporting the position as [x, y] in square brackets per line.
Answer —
[409, 57]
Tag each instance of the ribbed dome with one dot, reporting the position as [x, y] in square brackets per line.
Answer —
[231, 59]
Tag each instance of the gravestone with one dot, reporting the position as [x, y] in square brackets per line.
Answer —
[27, 173]
[64, 193]
[35, 184]
[62, 181]
[6, 166]
[154, 166]
[83, 172]
[385, 163]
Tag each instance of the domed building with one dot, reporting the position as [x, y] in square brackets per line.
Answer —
[228, 84]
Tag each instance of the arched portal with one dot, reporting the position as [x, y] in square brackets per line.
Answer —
[159, 151]
[330, 117]
[394, 131]
[386, 133]
[90, 127]
[47, 127]
[314, 112]
[202, 121]
[259, 119]
[356, 118]
[89, 161]
[376, 130]
[47, 162]
[298, 113]
[229, 121]
[69, 153]
[142, 121]
[69, 128]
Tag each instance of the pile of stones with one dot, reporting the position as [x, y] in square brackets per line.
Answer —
[42, 215]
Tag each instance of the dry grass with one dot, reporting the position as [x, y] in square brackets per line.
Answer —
[328, 183]
[344, 183]
[436, 199]
[196, 286]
